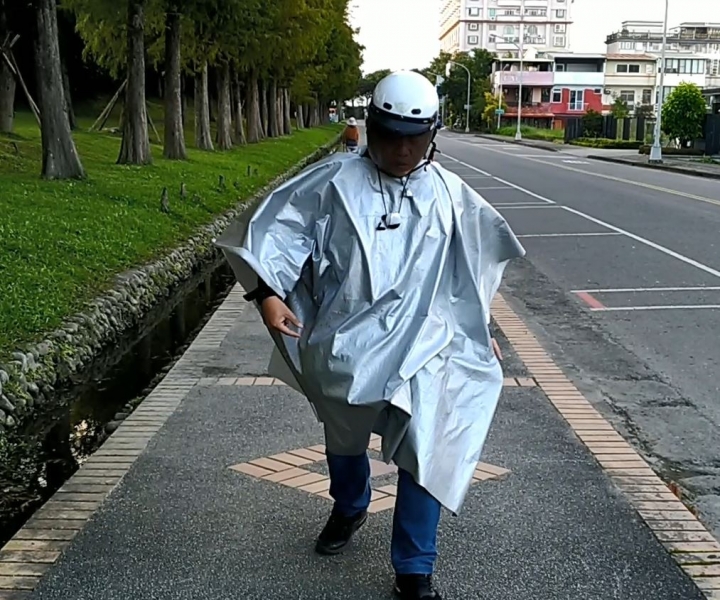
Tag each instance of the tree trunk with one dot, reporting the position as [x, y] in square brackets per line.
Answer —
[300, 116]
[287, 114]
[252, 104]
[135, 147]
[60, 159]
[272, 96]
[238, 120]
[264, 116]
[68, 98]
[224, 122]
[174, 134]
[7, 98]
[203, 135]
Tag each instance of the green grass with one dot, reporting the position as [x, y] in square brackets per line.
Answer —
[607, 143]
[63, 242]
[534, 133]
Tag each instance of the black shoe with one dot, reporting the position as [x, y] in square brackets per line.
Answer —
[415, 587]
[338, 532]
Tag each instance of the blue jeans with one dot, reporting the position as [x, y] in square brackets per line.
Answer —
[416, 518]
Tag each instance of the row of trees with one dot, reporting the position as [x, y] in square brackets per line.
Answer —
[255, 64]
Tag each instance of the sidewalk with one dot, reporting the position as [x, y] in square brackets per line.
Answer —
[671, 164]
[170, 508]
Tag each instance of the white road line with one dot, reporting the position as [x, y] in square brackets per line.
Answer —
[496, 187]
[637, 238]
[526, 206]
[647, 242]
[558, 235]
[651, 289]
[648, 186]
[512, 185]
[660, 307]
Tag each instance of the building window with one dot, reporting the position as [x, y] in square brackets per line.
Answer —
[560, 14]
[560, 28]
[559, 41]
[492, 12]
[492, 27]
[685, 66]
[473, 26]
[473, 12]
[472, 40]
[627, 46]
[647, 96]
[557, 96]
[509, 31]
[628, 96]
[627, 68]
[559, 67]
[531, 30]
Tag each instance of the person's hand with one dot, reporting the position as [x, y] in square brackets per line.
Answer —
[279, 317]
[496, 349]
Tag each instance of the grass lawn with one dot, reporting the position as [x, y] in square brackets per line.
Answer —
[534, 133]
[62, 242]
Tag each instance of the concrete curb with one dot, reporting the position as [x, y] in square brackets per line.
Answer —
[528, 144]
[669, 169]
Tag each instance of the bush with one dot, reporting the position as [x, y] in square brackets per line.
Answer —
[533, 133]
[645, 149]
[607, 143]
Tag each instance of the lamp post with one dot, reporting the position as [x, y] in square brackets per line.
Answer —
[656, 149]
[518, 132]
[439, 80]
[467, 106]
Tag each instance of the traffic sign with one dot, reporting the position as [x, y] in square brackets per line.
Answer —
[499, 111]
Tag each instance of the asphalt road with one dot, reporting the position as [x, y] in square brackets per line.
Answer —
[622, 280]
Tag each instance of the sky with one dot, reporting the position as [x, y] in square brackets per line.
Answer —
[403, 34]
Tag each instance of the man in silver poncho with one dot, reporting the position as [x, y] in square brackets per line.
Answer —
[374, 273]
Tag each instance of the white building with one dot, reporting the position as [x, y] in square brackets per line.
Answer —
[692, 51]
[495, 25]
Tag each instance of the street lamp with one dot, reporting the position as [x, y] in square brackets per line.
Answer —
[439, 80]
[518, 132]
[467, 106]
[656, 149]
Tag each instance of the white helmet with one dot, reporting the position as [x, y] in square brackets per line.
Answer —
[352, 122]
[404, 103]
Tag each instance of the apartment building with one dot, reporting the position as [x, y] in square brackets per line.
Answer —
[495, 25]
[555, 86]
[692, 51]
[632, 77]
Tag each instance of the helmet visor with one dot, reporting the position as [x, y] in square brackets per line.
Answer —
[396, 125]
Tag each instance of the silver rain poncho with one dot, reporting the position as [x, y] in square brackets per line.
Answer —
[395, 334]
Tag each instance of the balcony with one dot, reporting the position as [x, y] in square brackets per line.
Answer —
[529, 109]
[529, 78]
[570, 79]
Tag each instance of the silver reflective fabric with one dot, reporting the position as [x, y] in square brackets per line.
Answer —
[395, 337]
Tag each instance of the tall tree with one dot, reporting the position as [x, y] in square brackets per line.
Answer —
[135, 147]
[224, 120]
[7, 78]
[203, 135]
[174, 131]
[60, 157]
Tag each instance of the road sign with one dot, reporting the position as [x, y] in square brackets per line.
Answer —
[499, 111]
[467, 107]
[439, 80]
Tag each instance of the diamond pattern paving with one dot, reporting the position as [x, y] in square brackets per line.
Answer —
[292, 469]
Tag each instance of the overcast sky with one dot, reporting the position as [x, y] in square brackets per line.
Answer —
[403, 34]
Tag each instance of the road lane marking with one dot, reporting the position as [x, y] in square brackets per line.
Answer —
[512, 185]
[658, 307]
[496, 187]
[560, 235]
[650, 289]
[648, 186]
[526, 206]
[637, 238]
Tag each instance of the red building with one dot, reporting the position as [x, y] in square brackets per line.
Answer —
[554, 88]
